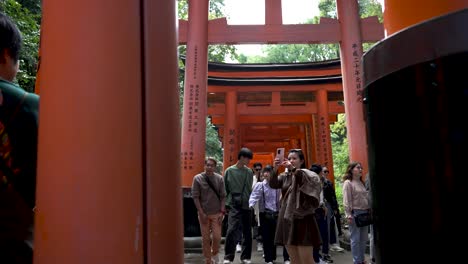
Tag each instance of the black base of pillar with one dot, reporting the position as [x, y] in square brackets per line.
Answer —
[191, 224]
[417, 110]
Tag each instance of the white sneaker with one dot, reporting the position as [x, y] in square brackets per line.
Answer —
[226, 261]
[246, 261]
[287, 262]
[322, 262]
[215, 259]
[259, 247]
[336, 248]
[269, 262]
[238, 248]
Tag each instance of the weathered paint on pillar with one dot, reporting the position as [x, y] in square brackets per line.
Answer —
[165, 239]
[195, 100]
[401, 14]
[351, 53]
[91, 154]
[324, 140]
[230, 130]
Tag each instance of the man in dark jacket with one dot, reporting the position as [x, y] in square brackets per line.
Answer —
[18, 152]
[333, 210]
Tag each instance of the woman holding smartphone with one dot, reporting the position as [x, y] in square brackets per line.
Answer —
[300, 188]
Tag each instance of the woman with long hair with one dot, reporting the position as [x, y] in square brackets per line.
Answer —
[355, 201]
[300, 188]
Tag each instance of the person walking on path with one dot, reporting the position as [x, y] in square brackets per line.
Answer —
[333, 210]
[238, 180]
[209, 196]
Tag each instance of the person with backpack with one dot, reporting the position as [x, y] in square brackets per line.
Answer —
[238, 180]
[18, 152]
[209, 196]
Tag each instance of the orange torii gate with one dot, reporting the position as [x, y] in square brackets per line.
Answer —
[349, 30]
[276, 105]
[108, 178]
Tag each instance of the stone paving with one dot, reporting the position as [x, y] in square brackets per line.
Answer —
[338, 257]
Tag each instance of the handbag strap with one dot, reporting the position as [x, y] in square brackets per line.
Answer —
[211, 185]
[243, 185]
[264, 201]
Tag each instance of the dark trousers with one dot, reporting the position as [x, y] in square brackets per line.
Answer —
[268, 234]
[239, 224]
[321, 219]
[332, 231]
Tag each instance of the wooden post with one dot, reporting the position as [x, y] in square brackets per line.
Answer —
[351, 53]
[324, 140]
[101, 196]
[230, 130]
[195, 108]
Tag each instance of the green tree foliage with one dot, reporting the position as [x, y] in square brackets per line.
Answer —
[213, 145]
[296, 53]
[28, 23]
[340, 155]
[34, 6]
[340, 147]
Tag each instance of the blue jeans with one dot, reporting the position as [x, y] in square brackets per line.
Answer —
[358, 240]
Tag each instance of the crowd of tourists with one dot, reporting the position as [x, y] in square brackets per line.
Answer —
[296, 209]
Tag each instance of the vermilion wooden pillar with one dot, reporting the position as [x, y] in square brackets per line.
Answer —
[195, 107]
[310, 143]
[101, 196]
[163, 200]
[273, 12]
[351, 53]
[324, 140]
[401, 14]
[230, 138]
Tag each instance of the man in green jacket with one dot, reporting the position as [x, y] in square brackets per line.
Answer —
[238, 184]
[18, 152]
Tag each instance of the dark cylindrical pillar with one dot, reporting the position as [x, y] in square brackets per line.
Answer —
[417, 95]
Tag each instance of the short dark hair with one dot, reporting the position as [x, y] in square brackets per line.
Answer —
[317, 168]
[268, 168]
[245, 152]
[257, 164]
[211, 159]
[10, 37]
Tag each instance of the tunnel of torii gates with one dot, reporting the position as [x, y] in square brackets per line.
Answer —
[263, 107]
[267, 106]
[108, 185]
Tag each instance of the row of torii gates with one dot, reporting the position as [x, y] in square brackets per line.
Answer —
[109, 160]
[285, 101]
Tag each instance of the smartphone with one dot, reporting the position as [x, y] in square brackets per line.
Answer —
[280, 154]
